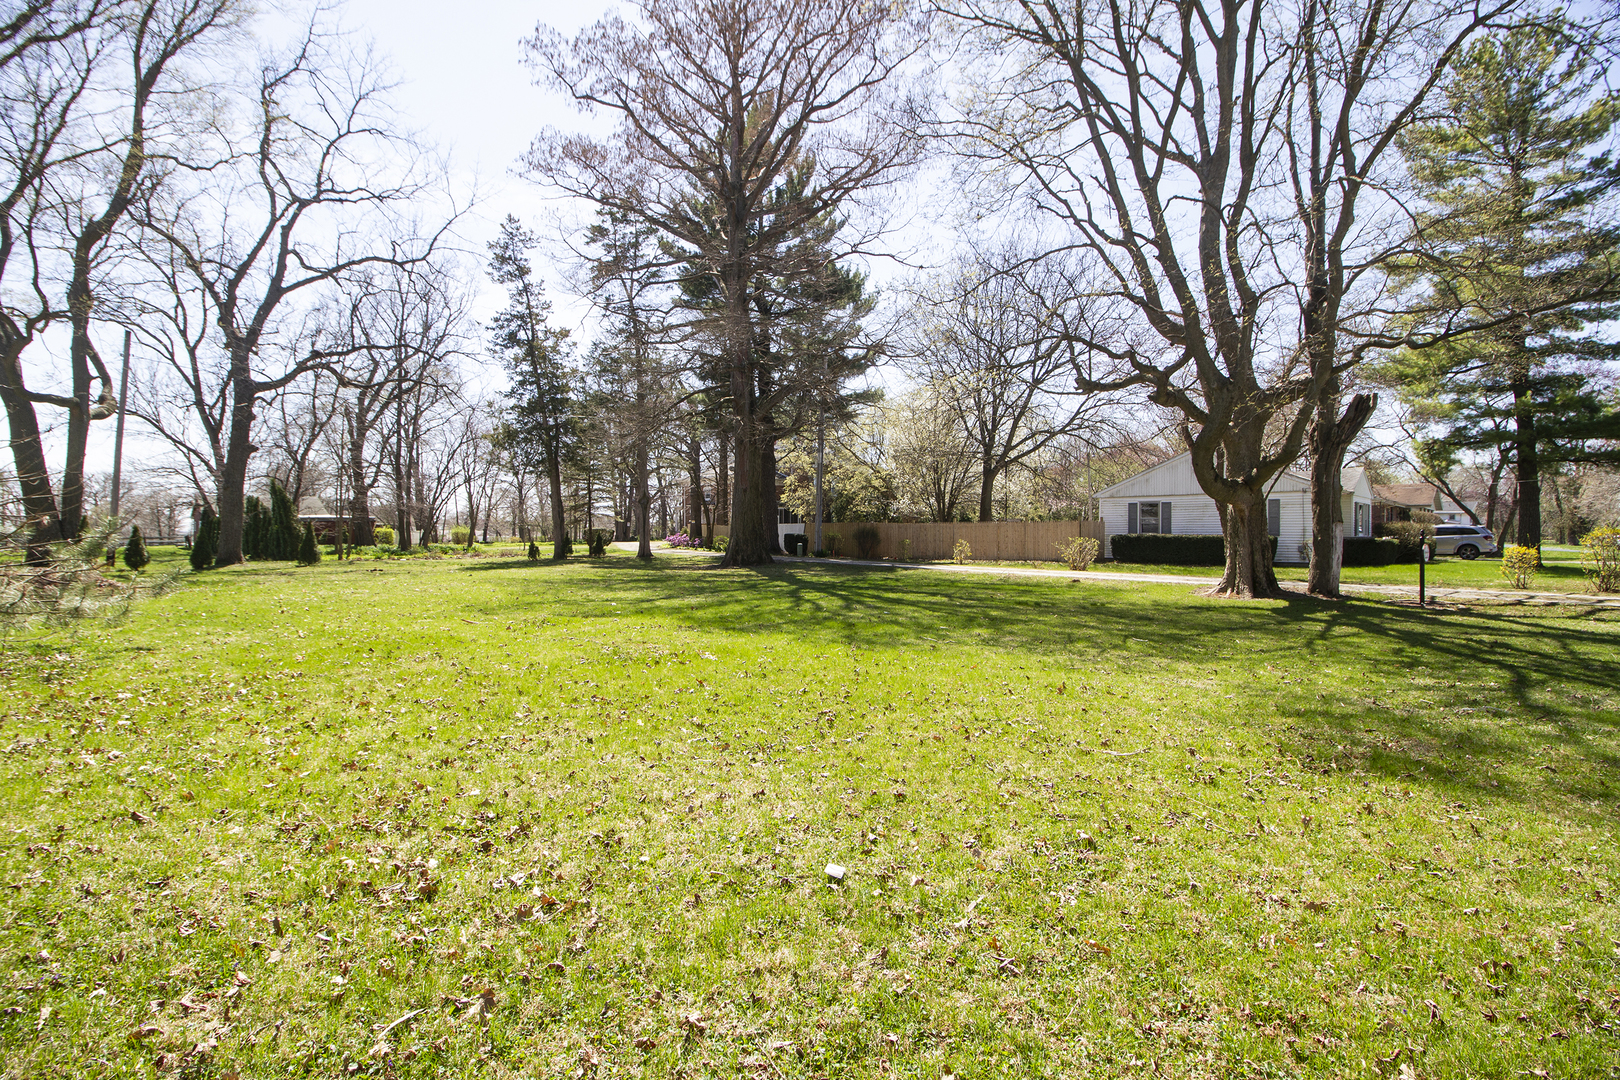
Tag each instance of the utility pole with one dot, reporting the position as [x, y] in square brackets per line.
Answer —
[118, 438]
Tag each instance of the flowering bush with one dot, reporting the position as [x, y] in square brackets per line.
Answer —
[681, 540]
[1078, 551]
[1601, 558]
[1519, 565]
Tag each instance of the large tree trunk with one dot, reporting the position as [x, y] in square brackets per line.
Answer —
[987, 488]
[1331, 436]
[1249, 571]
[694, 468]
[233, 483]
[772, 505]
[747, 546]
[641, 496]
[559, 527]
[360, 534]
[722, 486]
[28, 451]
[1526, 467]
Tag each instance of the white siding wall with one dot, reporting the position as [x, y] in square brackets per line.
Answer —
[1196, 515]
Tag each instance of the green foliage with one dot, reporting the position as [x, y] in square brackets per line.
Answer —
[867, 539]
[721, 543]
[1409, 536]
[281, 535]
[309, 553]
[542, 423]
[597, 545]
[961, 552]
[534, 551]
[1519, 565]
[1511, 241]
[383, 536]
[255, 527]
[853, 488]
[135, 553]
[792, 541]
[905, 550]
[1600, 557]
[461, 535]
[1172, 549]
[833, 541]
[1078, 552]
[205, 543]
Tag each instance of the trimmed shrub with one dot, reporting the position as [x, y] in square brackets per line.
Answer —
[1376, 551]
[206, 542]
[135, 556]
[1078, 552]
[598, 543]
[382, 536]
[1519, 565]
[1601, 558]
[461, 536]
[791, 542]
[308, 553]
[1173, 549]
[961, 552]
[281, 537]
[867, 539]
[1410, 535]
[534, 551]
[255, 527]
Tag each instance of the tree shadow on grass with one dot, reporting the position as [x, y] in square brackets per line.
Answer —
[1441, 696]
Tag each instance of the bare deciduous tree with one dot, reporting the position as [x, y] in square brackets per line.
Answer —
[717, 102]
[307, 196]
[1222, 165]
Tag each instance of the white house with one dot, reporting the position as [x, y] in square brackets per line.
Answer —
[1166, 499]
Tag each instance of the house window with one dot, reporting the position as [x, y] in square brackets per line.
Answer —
[1361, 519]
[1148, 517]
[1274, 517]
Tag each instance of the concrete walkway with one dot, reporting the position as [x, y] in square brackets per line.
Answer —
[1392, 592]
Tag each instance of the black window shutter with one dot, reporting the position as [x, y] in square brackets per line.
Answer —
[1164, 518]
[1274, 516]
[1130, 518]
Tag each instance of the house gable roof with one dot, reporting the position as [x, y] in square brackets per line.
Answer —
[1175, 477]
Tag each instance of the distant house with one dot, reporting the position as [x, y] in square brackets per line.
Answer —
[1166, 498]
[1395, 502]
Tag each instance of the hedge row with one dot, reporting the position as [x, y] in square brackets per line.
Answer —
[1173, 549]
[1180, 549]
[1376, 551]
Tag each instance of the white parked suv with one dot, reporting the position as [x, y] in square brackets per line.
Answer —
[1464, 541]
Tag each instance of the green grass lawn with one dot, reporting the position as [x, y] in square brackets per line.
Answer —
[1561, 573]
[480, 817]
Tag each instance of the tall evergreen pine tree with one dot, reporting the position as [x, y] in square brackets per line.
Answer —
[1520, 235]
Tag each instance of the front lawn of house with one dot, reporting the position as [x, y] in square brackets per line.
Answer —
[481, 817]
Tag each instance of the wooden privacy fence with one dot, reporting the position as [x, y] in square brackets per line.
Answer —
[991, 541]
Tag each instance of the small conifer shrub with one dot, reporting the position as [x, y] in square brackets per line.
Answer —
[204, 543]
[308, 553]
[135, 556]
[534, 551]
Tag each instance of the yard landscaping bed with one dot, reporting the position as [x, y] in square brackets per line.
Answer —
[494, 818]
